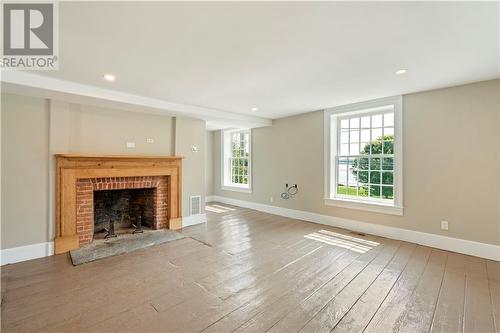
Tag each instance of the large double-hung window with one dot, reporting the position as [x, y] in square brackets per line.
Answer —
[364, 156]
[237, 160]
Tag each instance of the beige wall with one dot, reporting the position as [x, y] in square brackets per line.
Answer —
[209, 164]
[88, 129]
[188, 133]
[34, 129]
[25, 165]
[451, 164]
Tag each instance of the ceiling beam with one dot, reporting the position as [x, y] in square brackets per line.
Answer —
[41, 86]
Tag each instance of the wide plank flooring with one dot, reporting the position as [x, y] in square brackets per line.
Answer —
[247, 271]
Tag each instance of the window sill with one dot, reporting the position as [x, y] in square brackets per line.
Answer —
[365, 206]
[236, 188]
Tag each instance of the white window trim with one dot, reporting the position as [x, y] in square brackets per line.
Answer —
[330, 147]
[225, 172]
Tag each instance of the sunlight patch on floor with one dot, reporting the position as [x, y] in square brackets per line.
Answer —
[218, 209]
[350, 238]
[352, 243]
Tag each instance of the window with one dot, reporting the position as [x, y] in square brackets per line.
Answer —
[364, 156]
[237, 160]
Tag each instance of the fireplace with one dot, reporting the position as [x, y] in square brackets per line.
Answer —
[93, 191]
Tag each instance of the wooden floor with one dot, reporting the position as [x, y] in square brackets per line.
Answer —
[246, 271]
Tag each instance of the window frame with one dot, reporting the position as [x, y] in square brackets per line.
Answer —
[331, 120]
[226, 172]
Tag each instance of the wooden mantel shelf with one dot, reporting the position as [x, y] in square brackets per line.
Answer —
[114, 157]
[71, 168]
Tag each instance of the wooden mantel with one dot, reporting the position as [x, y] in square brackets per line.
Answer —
[71, 167]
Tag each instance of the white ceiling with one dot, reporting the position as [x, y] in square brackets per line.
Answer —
[283, 57]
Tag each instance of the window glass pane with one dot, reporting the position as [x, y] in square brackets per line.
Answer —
[387, 192]
[363, 191]
[375, 163]
[365, 148]
[388, 163]
[343, 164]
[344, 123]
[374, 177]
[342, 178]
[375, 191]
[344, 149]
[350, 190]
[389, 131]
[388, 147]
[365, 135]
[365, 122]
[387, 178]
[344, 137]
[377, 120]
[389, 119]
[341, 189]
[354, 122]
[352, 172]
[354, 136]
[376, 133]
[364, 163]
[354, 149]
[376, 147]
[363, 177]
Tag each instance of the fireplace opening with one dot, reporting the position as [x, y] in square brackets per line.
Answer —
[123, 211]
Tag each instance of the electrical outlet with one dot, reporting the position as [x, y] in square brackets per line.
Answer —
[130, 145]
[444, 225]
[150, 140]
[271, 199]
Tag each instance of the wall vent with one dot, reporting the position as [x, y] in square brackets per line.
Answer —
[195, 204]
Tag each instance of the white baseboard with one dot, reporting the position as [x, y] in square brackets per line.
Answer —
[464, 246]
[209, 198]
[28, 252]
[194, 219]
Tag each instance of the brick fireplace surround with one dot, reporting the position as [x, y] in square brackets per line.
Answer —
[78, 176]
[85, 188]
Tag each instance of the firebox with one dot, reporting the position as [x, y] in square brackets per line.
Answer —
[105, 205]
[123, 211]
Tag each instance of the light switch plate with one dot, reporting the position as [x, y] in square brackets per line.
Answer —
[130, 145]
[444, 225]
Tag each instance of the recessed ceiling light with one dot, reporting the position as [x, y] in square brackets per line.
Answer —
[109, 77]
[255, 109]
[401, 71]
